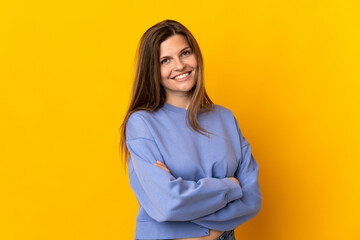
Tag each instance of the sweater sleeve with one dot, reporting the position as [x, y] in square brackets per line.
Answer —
[240, 210]
[164, 197]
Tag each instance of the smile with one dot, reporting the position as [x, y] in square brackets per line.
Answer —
[182, 76]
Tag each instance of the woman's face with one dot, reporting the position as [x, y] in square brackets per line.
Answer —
[177, 65]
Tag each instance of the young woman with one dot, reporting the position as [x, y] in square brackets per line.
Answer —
[189, 165]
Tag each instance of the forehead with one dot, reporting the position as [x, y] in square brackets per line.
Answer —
[173, 45]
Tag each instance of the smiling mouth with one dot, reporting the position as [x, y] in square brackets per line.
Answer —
[182, 75]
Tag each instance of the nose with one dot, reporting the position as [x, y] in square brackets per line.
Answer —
[179, 65]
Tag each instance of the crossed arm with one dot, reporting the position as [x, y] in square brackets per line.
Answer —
[219, 204]
[163, 166]
[240, 210]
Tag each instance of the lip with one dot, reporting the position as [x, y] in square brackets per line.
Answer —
[181, 74]
[183, 79]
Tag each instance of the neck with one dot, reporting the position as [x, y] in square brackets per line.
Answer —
[179, 101]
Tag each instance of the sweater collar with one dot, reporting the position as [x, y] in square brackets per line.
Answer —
[174, 108]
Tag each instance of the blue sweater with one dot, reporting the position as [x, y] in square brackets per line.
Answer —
[197, 195]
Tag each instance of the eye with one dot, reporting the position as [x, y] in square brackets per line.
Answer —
[164, 61]
[186, 52]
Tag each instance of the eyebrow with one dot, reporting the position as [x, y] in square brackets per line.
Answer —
[180, 51]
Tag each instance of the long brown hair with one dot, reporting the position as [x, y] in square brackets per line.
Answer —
[147, 92]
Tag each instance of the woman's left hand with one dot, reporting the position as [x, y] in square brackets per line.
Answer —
[161, 165]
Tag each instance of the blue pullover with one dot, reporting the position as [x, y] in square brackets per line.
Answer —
[197, 195]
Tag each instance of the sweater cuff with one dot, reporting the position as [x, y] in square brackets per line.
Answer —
[234, 190]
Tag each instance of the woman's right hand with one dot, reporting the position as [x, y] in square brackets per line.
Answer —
[235, 180]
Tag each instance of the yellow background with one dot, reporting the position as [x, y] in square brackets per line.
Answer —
[289, 70]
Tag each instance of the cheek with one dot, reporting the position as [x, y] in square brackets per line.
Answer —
[193, 62]
[164, 72]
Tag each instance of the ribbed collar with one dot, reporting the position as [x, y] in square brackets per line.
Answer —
[173, 108]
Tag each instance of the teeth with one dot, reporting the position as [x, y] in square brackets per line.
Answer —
[181, 76]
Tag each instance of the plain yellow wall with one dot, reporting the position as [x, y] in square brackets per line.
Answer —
[289, 70]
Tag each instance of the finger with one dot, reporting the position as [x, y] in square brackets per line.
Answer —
[163, 165]
[165, 169]
[160, 166]
[159, 162]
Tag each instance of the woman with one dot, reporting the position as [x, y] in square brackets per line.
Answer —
[189, 166]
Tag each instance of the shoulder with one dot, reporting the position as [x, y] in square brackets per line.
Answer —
[221, 108]
[137, 125]
[223, 111]
[141, 116]
[137, 116]
[229, 116]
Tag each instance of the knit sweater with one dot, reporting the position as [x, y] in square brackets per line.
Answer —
[197, 195]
